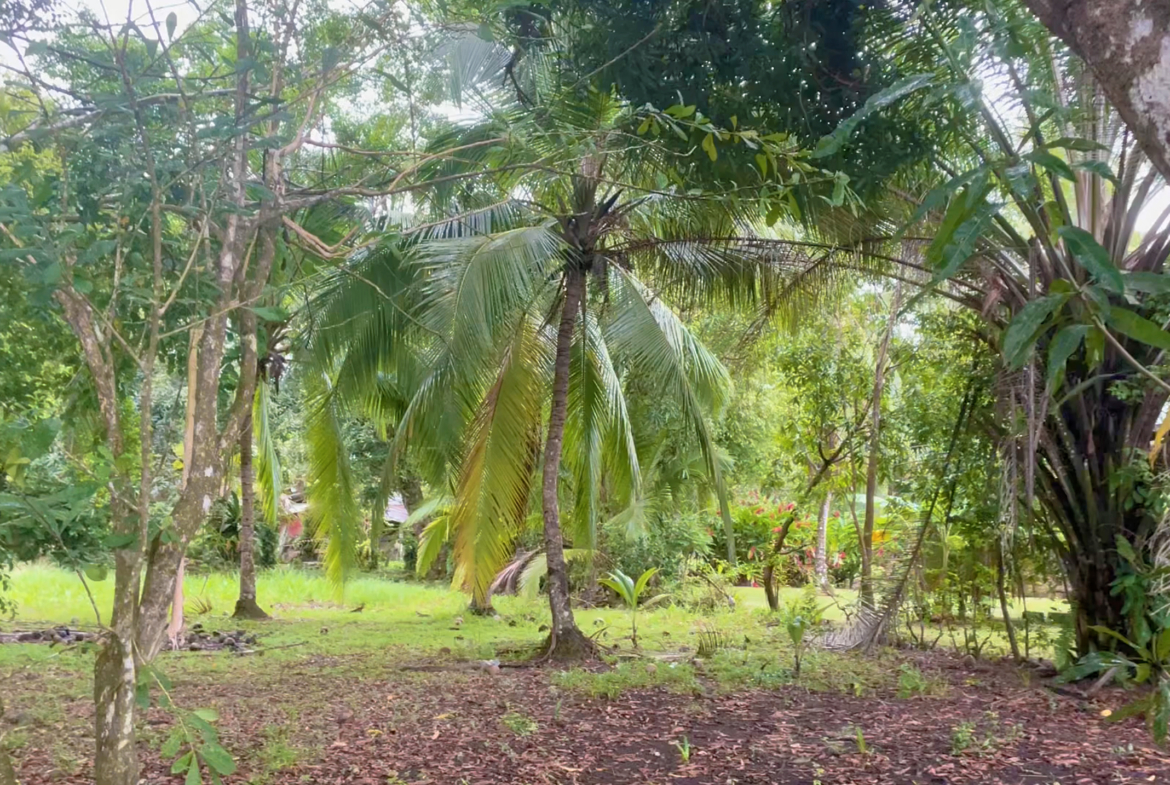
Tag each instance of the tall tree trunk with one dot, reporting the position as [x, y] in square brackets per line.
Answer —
[1001, 588]
[566, 641]
[246, 606]
[1126, 44]
[874, 460]
[822, 558]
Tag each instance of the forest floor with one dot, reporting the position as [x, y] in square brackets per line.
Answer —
[399, 693]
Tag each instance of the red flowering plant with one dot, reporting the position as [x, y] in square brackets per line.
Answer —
[757, 521]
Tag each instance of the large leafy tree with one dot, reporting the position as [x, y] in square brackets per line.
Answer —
[178, 158]
[1033, 225]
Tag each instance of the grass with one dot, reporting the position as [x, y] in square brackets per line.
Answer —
[315, 636]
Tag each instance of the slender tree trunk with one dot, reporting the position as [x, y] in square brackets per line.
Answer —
[1001, 588]
[769, 568]
[871, 472]
[246, 607]
[822, 557]
[566, 641]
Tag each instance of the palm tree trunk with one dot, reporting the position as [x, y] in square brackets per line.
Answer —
[246, 606]
[822, 558]
[566, 641]
[871, 471]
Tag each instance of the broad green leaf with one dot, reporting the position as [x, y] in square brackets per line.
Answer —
[172, 23]
[1142, 673]
[1094, 347]
[643, 579]
[1024, 329]
[1063, 345]
[218, 759]
[1099, 168]
[709, 146]
[208, 715]
[172, 745]
[193, 775]
[96, 572]
[1137, 327]
[183, 762]
[1089, 253]
[762, 162]
[1148, 283]
[679, 111]
[1162, 646]
[1126, 551]
[1057, 166]
[116, 541]
[1076, 143]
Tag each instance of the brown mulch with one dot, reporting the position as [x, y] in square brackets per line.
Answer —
[479, 728]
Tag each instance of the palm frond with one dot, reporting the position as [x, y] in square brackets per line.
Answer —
[267, 459]
[333, 516]
[498, 465]
[656, 340]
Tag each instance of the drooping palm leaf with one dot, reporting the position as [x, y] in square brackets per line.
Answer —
[267, 459]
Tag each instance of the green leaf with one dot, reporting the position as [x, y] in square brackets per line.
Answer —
[1076, 143]
[183, 762]
[679, 111]
[830, 144]
[1148, 283]
[193, 775]
[172, 23]
[643, 579]
[208, 715]
[762, 162]
[1126, 551]
[1061, 348]
[1050, 162]
[1162, 646]
[1094, 347]
[1024, 329]
[218, 759]
[96, 572]
[1142, 673]
[1099, 168]
[1137, 327]
[116, 541]
[709, 146]
[1086, 250]
[1132, 709]
[172, 745]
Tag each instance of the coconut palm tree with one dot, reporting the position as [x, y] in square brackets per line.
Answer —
[493, 339]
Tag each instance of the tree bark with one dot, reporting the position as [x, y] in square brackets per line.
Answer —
[1126, 44]
[769, 568]
[874, 460]
[822, 558]
[566, 641]
[246, 606]
[1001, 588]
